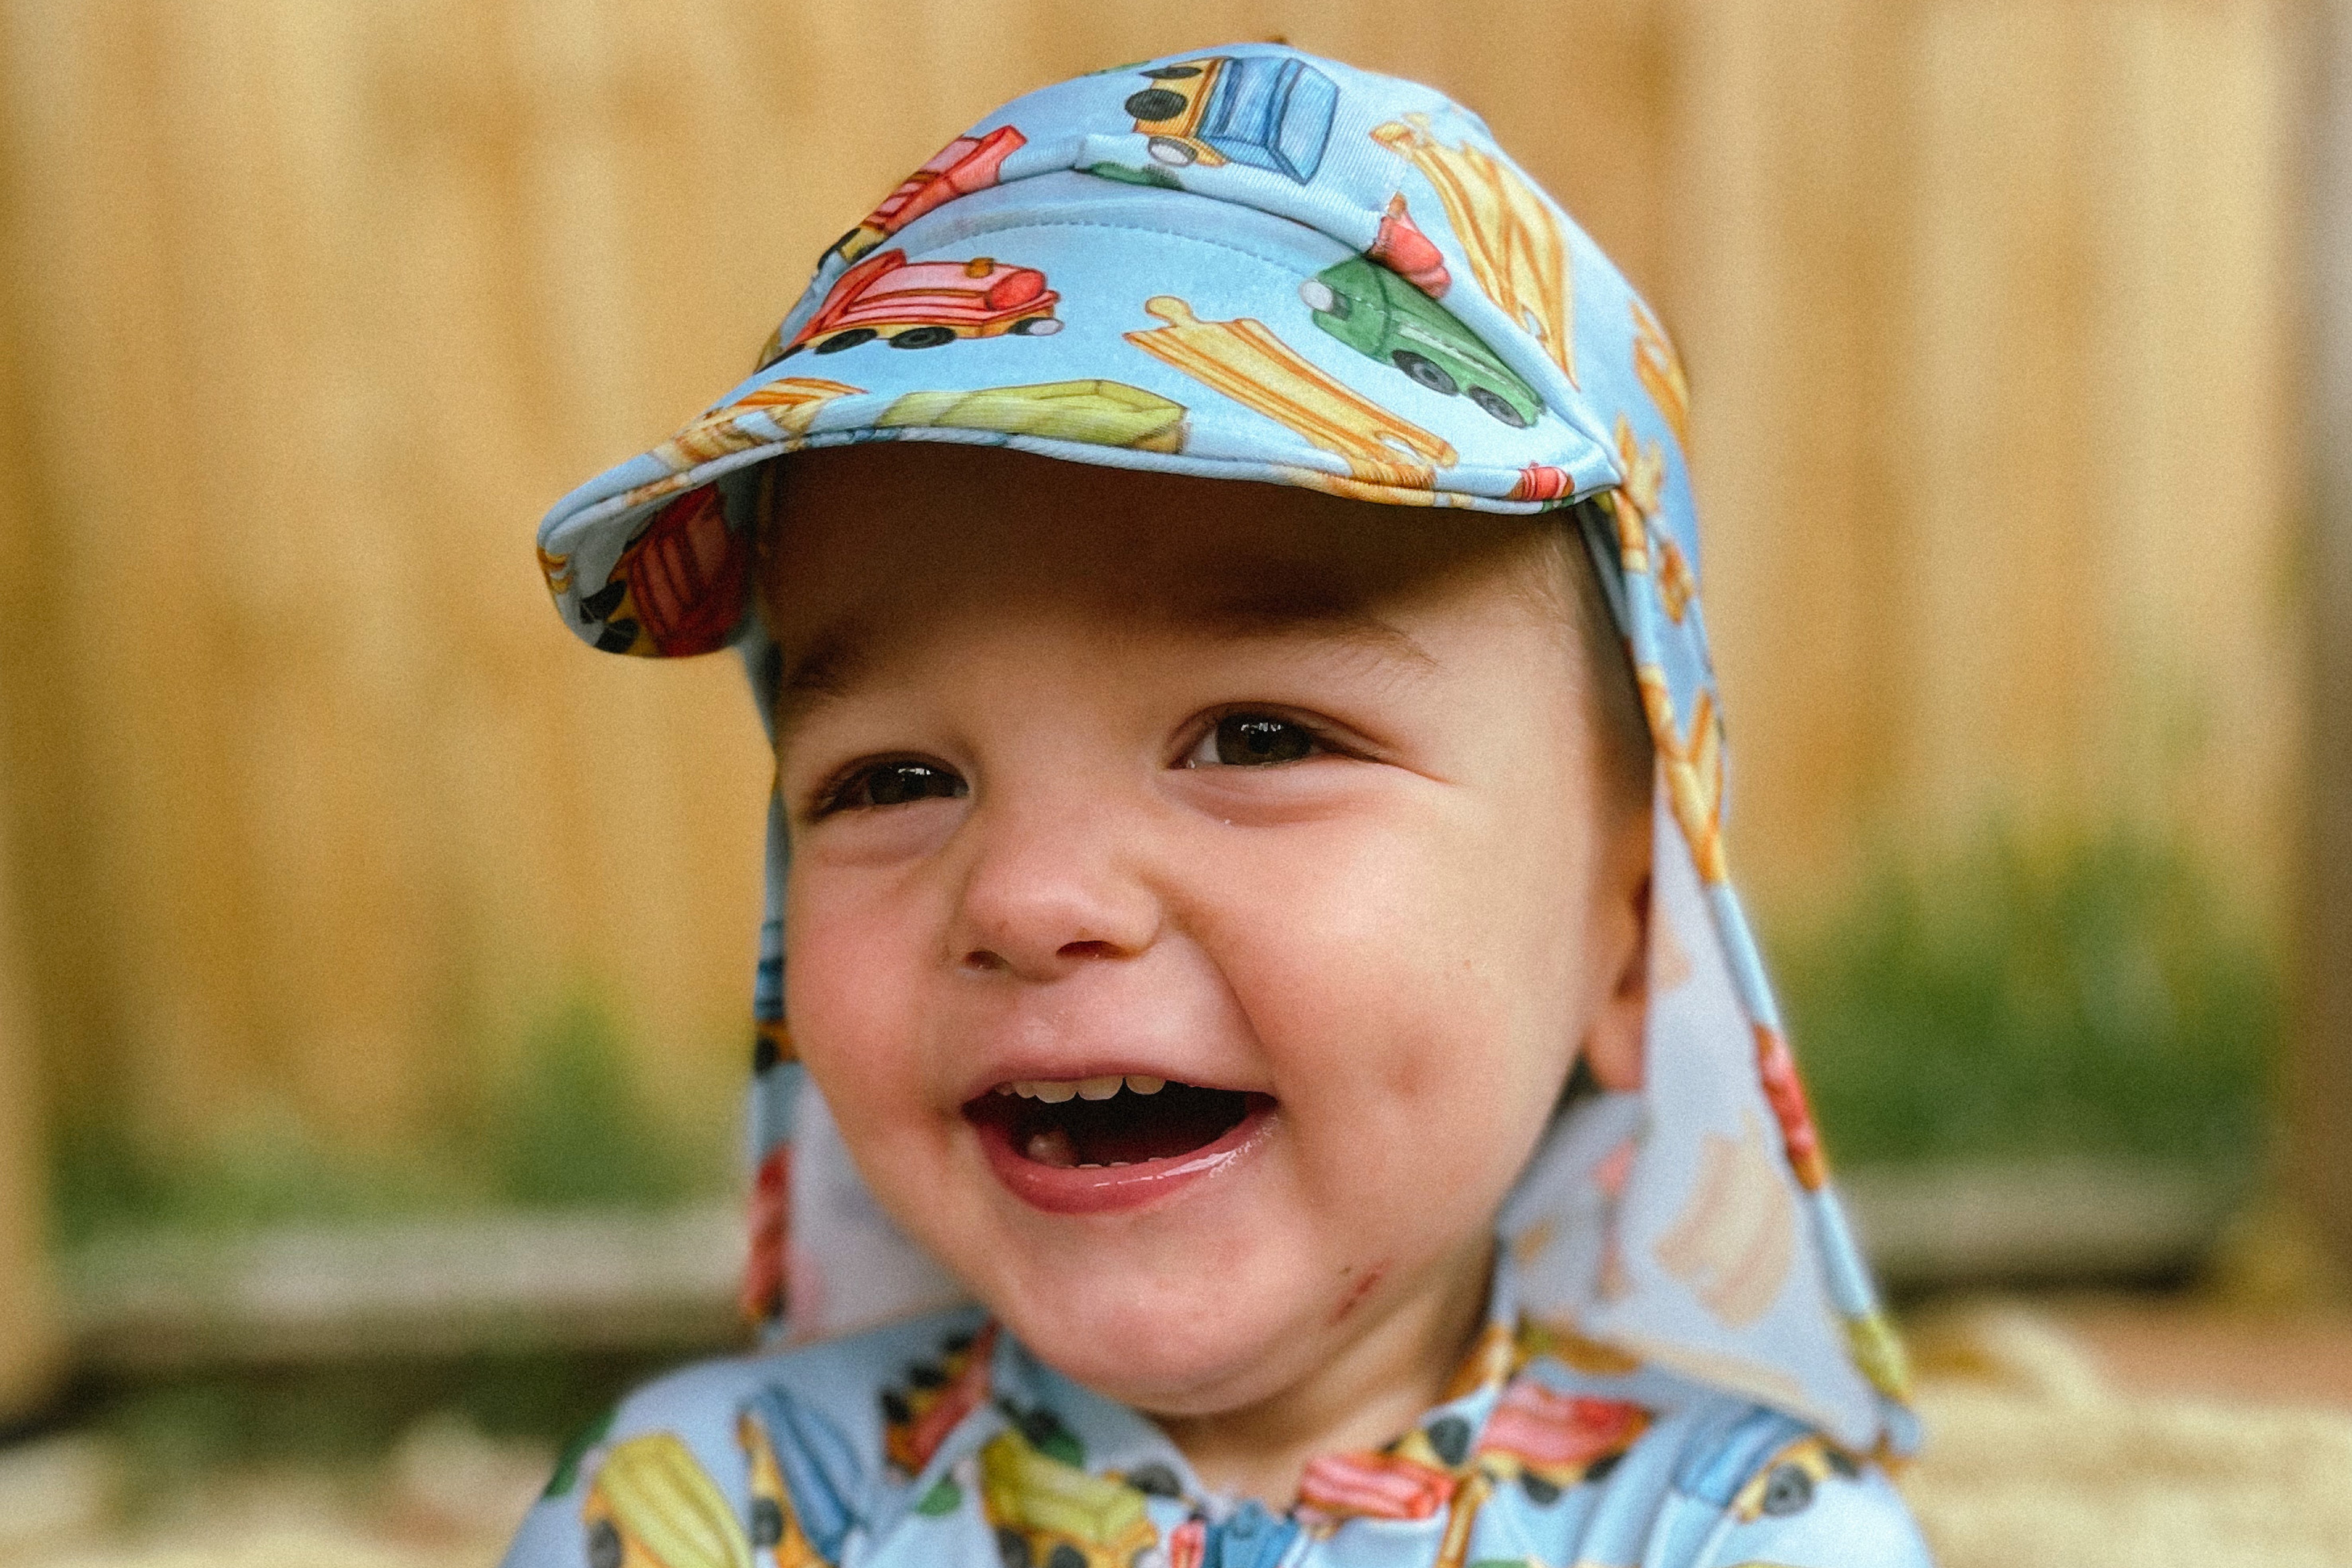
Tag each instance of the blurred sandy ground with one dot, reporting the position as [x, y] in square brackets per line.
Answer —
[446, 1496]
[2076, 1434]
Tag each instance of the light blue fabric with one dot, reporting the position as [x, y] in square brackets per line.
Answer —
[1253, 264]
[1668, 1473]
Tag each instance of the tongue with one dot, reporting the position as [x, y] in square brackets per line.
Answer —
[1129, 1128]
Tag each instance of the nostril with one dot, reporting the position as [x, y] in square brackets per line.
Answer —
[988, 961]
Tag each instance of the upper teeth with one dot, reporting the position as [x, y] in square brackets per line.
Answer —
[1054, 1090]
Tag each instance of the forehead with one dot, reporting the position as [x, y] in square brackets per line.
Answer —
[862, 533]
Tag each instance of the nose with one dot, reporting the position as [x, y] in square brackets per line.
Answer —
[1048, 891]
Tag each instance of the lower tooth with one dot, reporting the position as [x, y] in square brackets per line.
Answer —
[1052, 1147]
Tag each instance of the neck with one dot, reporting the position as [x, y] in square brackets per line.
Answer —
[1374, 1386]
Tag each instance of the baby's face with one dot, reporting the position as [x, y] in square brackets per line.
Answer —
[1200, 891]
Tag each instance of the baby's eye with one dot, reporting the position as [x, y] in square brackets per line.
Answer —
[1254, 741]
[894, 783]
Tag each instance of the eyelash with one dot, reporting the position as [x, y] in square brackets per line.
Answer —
[1322, 743]
[834, 796]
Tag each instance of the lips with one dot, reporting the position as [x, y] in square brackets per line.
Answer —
[1077, 1155]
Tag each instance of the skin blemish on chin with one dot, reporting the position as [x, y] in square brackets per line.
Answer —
[1357, 1292]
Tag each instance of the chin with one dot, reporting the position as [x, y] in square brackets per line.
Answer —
[1205, 1336]
[1190, 1361]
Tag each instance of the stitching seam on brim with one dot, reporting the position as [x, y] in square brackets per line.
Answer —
[1020, 221]
[636, 496]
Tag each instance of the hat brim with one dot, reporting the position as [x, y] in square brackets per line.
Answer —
[1076, 317]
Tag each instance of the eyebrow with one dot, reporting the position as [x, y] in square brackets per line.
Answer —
[832, 665]
[1304, 611]
[825, 670]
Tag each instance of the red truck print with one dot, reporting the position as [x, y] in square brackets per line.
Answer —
[923, 304]
[678, 587]
[1555, 1440]
[966, 165]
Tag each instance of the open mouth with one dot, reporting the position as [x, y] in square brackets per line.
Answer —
[1108, 1123]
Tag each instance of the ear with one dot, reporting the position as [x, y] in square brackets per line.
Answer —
[1614, 1039]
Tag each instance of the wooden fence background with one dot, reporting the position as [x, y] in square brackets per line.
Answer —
[310, 311]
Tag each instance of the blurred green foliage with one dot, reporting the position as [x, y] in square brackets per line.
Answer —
[2095, 998]
[272, 1171]
[572, 1127]
[567, 1125]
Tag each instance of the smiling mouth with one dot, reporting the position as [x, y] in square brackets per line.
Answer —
[1090, 1124]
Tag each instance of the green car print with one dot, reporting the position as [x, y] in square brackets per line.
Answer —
[1376, 312]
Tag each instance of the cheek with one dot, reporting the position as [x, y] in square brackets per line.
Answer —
[1414, 980]
[852, 968]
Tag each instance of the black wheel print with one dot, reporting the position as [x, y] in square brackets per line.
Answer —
[848, 340]
[1789, 1489]
[1013, 1547]
[1155, 103]
[1449, 1439]
[1038, 326]
[1065, 1555]
[1153, 1478]
[767, 1521]
[1540, 1492]
[1173, 73]
[1045, 1431]
[923, 338]
[604, 1545]
[1499, 406]
[600, 605]
[1427, 372]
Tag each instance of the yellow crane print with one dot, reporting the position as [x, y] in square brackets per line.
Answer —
[1517, 249]
[1243, 360]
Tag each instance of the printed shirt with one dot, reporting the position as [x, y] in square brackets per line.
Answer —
[942, 1443]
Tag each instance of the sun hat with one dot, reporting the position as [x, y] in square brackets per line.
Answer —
[1250, 263]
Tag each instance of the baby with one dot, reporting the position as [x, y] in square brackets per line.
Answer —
[1276, 1072]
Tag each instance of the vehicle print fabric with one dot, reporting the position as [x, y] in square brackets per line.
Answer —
[1549, 1451]
[1251, 264]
